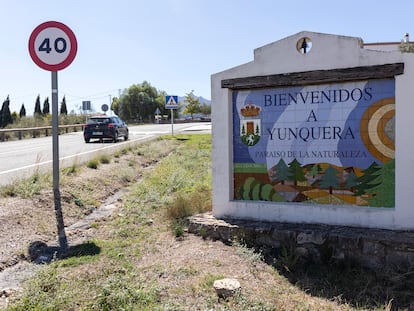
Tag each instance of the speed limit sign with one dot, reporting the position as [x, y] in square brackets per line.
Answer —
[52, 46]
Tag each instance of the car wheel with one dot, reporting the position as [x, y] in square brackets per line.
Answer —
[87, 140]
[115, 137]
[126, 136]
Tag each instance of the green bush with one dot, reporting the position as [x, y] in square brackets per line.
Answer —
[94, 163]
[104, 159]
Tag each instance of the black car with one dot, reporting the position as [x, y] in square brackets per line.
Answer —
[101, 127]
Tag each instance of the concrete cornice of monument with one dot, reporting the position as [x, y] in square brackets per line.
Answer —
[316, 77]
[328, 51]
[355, 41]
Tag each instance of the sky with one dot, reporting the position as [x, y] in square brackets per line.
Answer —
[175, 45]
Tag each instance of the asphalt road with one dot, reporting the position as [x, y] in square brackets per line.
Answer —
[21, 158]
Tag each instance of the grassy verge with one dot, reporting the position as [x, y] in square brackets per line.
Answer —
[142, 258]
[107, 279]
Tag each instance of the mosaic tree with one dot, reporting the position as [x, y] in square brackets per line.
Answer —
[366, 181]
[282, 171]
[330, 179]
[383, 193]
[296, 172]
[351, 181]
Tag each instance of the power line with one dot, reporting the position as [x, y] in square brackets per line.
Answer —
[99, 95]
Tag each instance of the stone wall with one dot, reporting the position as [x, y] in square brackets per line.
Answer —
[371, 248]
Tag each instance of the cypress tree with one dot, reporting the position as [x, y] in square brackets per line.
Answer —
[46, 107]
[63, 108]
[5, 114]
[37, 110]
[22, 112]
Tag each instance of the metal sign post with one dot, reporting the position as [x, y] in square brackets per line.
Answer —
[53, 47]
[171, 102]
[172, 122]
[56, 192]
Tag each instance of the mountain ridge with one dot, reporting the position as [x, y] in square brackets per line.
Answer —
[181, 99]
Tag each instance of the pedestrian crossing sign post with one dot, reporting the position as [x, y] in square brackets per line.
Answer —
[171, 102]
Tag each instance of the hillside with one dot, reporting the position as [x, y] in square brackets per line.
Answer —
[202, 100]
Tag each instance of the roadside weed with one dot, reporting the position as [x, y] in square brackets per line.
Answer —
[104, 159]
[93, 164]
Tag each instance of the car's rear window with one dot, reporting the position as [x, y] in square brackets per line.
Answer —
[99, 121]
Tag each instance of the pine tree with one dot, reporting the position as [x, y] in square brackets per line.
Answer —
[296, 172]
[282, 171]
[37, 110]
[22, 112]
[351, 181]
[366, 181]
[330, 179]
[384, 189]
[315, 170]
[63, 108]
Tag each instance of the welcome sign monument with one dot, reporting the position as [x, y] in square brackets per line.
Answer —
[316, 129]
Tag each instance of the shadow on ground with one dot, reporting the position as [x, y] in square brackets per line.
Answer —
[348, 282]
[41, 253]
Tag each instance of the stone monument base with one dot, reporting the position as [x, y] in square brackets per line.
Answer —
[370, 248]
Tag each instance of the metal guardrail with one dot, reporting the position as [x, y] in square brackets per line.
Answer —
[36, 131]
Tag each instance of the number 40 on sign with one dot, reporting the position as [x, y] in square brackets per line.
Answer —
[52, 46]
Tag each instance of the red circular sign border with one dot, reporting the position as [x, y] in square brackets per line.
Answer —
[73, 46]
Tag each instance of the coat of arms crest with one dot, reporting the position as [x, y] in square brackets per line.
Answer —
[250, 126]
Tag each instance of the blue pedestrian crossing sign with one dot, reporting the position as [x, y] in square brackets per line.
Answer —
[171, 102]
